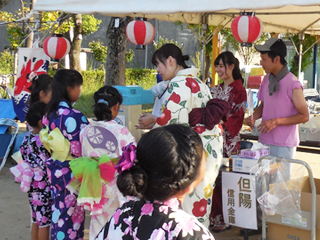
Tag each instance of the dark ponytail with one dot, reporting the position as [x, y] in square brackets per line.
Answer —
[62, 79]
[168, 161]
[39, 83]
[168, 50]
[229, 58]
[105, 98]
[35, 113]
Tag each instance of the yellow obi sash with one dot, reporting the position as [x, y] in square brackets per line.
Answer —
[57, 145]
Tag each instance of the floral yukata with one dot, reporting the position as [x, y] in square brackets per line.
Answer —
[236, 95]
[184, 93]
[109, 138]
[153, 220]
[34, 179]
[62, 138]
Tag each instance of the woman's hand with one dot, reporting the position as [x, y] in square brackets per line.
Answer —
[146, 121]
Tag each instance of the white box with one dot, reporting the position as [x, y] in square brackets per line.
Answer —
[240, 164]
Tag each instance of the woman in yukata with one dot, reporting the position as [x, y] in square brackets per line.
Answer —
[62, 139]
[232, 91]
[168, 163]
[103, 136]
[185, 92]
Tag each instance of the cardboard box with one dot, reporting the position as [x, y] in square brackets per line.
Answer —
[281, 232]
[247, 153]
[240, 164]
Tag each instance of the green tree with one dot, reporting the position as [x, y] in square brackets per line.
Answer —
[79, 24]
[161, 41]
[306, 58]
[246, 53]
[117, 44]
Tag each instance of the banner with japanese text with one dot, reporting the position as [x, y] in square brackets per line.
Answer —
[239, 200]
[29, 60]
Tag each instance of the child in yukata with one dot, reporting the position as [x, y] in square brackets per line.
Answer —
[61, 137]
[32, 174]
[168, 163]
[102, 137]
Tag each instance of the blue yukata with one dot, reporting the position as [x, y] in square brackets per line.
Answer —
[62, 138]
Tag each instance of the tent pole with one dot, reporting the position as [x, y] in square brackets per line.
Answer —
[203, 67]
[301, 38]
[204, 43]
[315, 56]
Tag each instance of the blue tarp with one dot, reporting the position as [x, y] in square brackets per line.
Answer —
[6, 111]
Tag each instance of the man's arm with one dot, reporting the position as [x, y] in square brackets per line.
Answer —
[302, 115]
[301, 106]
[256, 115]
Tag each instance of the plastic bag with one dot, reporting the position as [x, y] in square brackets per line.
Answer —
[278, 191]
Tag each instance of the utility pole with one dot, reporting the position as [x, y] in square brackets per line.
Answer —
[30, 38]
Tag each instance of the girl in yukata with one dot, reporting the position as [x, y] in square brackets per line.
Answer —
[33, 175]
[104, 136]
[232, 92]
[168, 164]
[40, 88]
[62, 138]
[185, 92]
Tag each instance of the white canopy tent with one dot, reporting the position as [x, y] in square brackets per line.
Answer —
[278, 16]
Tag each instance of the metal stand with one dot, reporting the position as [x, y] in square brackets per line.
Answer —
[312, 214]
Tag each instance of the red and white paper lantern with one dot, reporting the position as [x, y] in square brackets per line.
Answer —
[246, 28]
[56, 47]
[140, 32]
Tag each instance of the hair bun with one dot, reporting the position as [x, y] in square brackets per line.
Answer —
[185, 57]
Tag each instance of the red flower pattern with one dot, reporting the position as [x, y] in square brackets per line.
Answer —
[193, 85]
[22, 83]
[175, 98]
[200, 208]
[199, 129]
[164, 118]
[220, 126]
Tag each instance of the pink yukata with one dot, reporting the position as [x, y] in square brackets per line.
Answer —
[97, 139]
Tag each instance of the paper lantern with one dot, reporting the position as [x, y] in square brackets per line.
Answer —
[140, 32]
[246, 28]
[56, 47]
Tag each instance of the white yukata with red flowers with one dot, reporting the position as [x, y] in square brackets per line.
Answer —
[98, 138]
[184, 93]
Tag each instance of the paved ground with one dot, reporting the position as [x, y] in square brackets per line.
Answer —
[15, 216]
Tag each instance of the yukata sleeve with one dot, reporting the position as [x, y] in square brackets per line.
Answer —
[234, 119]
[199, 232]
[73, 126]
[125, 138]
[178, 106]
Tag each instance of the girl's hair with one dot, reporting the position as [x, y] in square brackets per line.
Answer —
[39, 83]
[63, 79]
[35, 113]
[229, 58]
[168, 50]
[168, 161]
[108, 96]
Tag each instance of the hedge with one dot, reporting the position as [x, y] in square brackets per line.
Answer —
[93, 80]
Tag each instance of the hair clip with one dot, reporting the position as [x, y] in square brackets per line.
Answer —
[103, 101]
[32, 76]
